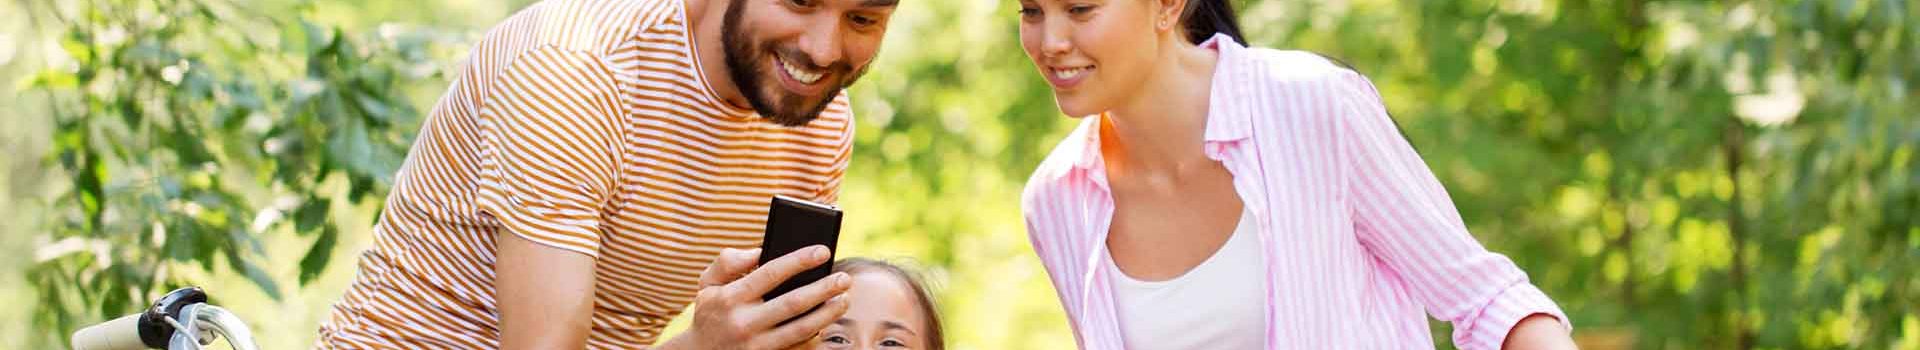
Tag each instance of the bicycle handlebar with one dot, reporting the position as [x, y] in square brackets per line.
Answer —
[119, 334]
[182, 319]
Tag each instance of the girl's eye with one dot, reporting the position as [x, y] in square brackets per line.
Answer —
[1080, 9]
[892, 343]
[800, 3]
[1028, 12]
[837, 339]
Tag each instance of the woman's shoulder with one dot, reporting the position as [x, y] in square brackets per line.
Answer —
[1054, 174]
[1286, 80]
[1267, 65]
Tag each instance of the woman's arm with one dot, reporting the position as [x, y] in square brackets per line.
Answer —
[1403, 217]
[1539, 331]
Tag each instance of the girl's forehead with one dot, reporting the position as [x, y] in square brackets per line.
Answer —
[878, 297]
[882, 284]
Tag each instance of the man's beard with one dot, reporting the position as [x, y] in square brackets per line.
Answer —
[748, 67]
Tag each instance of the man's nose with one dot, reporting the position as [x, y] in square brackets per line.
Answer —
[822, 43]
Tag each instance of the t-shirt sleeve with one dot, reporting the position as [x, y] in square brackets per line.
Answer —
[550, 148]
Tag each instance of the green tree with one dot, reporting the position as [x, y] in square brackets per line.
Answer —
[1677, 174]
[1732, 174]
[192, 128]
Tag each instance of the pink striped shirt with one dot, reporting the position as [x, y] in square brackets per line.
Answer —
[1360, 240]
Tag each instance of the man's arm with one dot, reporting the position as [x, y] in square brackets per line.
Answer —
[549, 163]
[545, 295]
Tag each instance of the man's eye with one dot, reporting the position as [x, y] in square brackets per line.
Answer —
[862, 21]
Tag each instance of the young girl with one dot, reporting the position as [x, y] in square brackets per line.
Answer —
[1217, 196]
[887, 308]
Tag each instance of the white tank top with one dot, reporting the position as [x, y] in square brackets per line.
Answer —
[1219, 304]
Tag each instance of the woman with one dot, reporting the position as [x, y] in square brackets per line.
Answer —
[1208, 177]
[887, 309]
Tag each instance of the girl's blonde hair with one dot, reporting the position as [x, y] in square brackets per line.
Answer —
[935, 340]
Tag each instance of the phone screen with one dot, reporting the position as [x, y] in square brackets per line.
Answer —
[792, 224]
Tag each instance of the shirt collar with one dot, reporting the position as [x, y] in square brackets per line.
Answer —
[1088, 136]
[1226, 121]
[1227, 118]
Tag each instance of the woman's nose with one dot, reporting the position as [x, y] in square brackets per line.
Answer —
[1054, 38]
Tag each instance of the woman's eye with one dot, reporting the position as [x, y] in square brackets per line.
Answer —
[800, 3]
[892, 343]
[1029, 11]
[1080, 9]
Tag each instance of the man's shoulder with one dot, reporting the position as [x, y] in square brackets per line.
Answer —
[593, 26]
[838, 116]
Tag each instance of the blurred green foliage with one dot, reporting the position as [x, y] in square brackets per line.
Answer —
[1720, 174]
[1677, 174]
[191, 128]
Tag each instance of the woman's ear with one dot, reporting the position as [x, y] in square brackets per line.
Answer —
[1168, 15]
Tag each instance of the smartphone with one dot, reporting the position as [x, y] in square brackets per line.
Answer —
[792, 224]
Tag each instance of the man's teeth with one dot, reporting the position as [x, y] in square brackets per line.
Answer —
[802, 75]
[1070, 73]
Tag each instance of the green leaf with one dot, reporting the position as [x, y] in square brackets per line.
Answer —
[297, 37]
[315, 261]
[50, 79]
[317, 38]
[179, 246]
[349, 147]
[254, 274]
[189, 147]
[377, 111]
[311, 216]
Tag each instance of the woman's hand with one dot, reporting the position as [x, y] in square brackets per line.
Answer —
[728, 313]
[1539, 331]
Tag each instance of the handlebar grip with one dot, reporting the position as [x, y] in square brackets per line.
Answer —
[118, 334]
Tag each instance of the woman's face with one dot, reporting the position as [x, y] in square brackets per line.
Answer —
[883, 313]
[1094, 53]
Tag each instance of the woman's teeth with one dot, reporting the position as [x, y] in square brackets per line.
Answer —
[802, 75]
[1070, 73]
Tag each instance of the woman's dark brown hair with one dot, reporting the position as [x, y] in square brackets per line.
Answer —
[935, 338]
[1203, 18]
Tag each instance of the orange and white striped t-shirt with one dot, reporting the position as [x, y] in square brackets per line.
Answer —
[587, 126]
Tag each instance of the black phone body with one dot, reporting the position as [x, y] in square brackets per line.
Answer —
[792, 224]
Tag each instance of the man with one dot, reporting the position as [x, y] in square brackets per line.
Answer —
[593, 167]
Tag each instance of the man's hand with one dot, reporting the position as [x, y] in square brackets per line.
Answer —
[728, 313]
